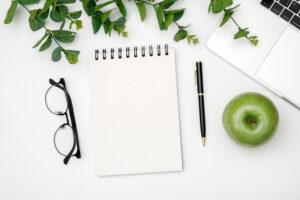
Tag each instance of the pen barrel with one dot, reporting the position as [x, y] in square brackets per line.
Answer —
[200, 78]
[202, 115]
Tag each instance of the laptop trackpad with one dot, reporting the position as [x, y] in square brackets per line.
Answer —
[281, 69]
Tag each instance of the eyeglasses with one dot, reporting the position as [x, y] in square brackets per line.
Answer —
[58, 102]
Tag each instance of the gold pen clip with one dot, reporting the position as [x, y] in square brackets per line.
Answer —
[195, 77]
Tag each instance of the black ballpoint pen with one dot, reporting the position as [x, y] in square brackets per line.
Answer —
[200, 91]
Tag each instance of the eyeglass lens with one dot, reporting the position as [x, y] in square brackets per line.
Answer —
[64, 140]
[56, 100]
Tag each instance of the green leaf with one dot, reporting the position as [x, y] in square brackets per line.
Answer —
[190, 38]
[169, 19]
[78, 24]
[11, 12]
[59, 14]
[209, 7]
[71, 56]
[56, 54]
[76, 15]
[233, 7]
[177, 13]
[28, 2]
[41, 40]
[47, 5]
[166, 3]
[121, 7]
[64, 36]
[111, 26]
[241, 33]
[35, 22]
[124, 34]
[142, 9]
[183, 27]
[195, 41]
[46, 44]
[88, 6]
[103, 5]
[180, 35]
[43, 15]
[227, 16]
[105, 15]
[96, 21]
[119, 23]
[160, 17]
[253, 40]
[65, 1]
[219, 5]
[106, 26]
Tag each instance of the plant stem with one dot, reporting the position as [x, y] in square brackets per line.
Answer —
[146, 2]
[235, 22]
[239, 27]
[43, 26]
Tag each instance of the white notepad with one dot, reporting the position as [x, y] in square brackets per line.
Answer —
[135, 112]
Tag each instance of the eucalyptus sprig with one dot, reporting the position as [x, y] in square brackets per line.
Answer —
[37, 20]
[217, 6]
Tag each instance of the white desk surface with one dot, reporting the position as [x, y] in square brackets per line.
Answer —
[31, 168]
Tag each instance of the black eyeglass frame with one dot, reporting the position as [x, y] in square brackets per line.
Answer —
[69, 114]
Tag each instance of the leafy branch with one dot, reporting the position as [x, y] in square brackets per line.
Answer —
[166, 17]
[102, 18]
[59, 13]
[217, 6]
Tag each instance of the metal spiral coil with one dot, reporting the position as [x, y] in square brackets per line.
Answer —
[128, 52]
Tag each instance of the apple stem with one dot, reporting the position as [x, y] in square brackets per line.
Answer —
[252, 121]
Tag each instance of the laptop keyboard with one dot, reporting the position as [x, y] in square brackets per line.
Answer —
[289, 10]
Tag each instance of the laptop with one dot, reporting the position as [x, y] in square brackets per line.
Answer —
[275, 61]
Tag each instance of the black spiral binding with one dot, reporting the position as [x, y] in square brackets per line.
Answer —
[128, 52]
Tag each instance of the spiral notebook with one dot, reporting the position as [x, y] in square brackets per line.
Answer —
[135, 116]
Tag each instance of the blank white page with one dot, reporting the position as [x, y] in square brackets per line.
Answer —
[135, 114]
[281, 68]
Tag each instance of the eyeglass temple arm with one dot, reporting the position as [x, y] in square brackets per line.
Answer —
[52, 82]
[72, 116]
[73, 121]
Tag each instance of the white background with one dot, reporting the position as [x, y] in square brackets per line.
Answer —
[30, 168]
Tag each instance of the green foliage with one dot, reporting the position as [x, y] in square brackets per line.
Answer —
[71, 56]
[28, 2]
[217, 6]
[56, 54]
[166, 17]
[103, 18]
[46, 44]
[11, 12]
[180, 35]
[59, 12]
[160, 17]
[142, 9]
[227, 16]
[241, 33]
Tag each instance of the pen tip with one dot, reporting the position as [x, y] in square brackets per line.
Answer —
[204, 141]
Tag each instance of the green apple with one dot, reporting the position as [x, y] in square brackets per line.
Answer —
[250, 118]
